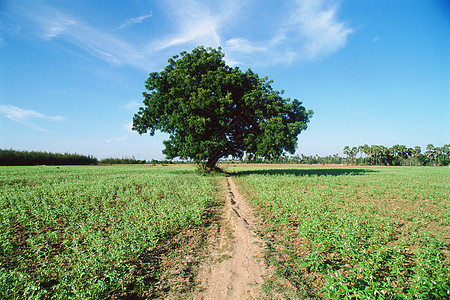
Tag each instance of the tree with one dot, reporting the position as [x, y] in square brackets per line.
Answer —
[416, 152]
[366, 151]
[430, 151]
[446, 151]
[212, 110]
[347, 152]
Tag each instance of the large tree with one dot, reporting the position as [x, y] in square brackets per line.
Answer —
[212, 110]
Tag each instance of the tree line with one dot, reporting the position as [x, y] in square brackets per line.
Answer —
[376, 155]
[30, 158]
[397, 155]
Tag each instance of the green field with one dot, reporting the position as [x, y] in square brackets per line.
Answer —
[90, 232]
[360, 233]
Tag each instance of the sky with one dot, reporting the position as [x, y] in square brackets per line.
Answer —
[72, 73]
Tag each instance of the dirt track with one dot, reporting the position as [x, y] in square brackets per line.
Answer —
[234, 270]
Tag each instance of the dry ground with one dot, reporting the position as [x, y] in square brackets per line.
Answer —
[234, 268]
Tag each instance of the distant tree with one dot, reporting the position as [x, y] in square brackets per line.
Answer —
[430, 151]
[399, 153]
[437, 155]
[366, 151]
[374, 152]
[384, 155]
[347, 151]
[446, 151]
[25, 158]
[212, 110]
[409, 153]
[361, 151]
[353, 153]
[416, 152]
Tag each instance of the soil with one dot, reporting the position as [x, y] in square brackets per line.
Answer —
[234, 269]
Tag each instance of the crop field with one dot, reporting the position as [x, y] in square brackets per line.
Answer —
[89, 232]
[96, 232]
[355, 233]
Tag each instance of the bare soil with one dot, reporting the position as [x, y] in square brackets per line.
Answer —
[235, 268]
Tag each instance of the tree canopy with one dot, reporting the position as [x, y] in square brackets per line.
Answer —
[212, 110]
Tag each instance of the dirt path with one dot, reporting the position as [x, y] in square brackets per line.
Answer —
[234, 270]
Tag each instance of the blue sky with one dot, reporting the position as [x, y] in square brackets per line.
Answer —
[72, 73]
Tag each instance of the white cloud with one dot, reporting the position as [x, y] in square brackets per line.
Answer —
[243, 45]
[25, 116]
[57, 24]
[195, 24]
[54, 25]
[318, 23]
[308, 30]
[135, 20]
[118, 139]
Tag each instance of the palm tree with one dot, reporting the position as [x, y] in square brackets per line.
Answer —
[374, 151]
[361, 151]
[437, 154]
[416, 153]
[366, 150]
[446, 151]
[347, 152]
[354, 152]
[430, 151]
[403, 153]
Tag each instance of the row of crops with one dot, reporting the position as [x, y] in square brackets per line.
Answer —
[90, 232]
[362, 233]
[83, 232]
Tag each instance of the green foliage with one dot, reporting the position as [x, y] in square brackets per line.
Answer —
[212, 110]
[399, 155]
[378, 233]
[122, 161]
[28, 158]
[89, 232]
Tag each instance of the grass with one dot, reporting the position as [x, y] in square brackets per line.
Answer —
[119, 232]
[361, 233]
[94, 232]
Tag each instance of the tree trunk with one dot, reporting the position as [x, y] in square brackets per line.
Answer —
[212, 161]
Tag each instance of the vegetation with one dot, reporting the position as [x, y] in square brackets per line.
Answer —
[356, 233]
[122, 161]
[398, 155]
[94, 232]
[212, 110]
[111, 231]
[29, 158]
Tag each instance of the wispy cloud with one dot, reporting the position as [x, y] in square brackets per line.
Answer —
[135, 20]
[58, 24]
[308, 30]
[117, 139]
[54, 25]
[319, 24]
[195, 24]
[25, 116]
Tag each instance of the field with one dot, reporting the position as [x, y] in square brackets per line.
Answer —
[356, 233]
[92, 232]
[330, 232]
